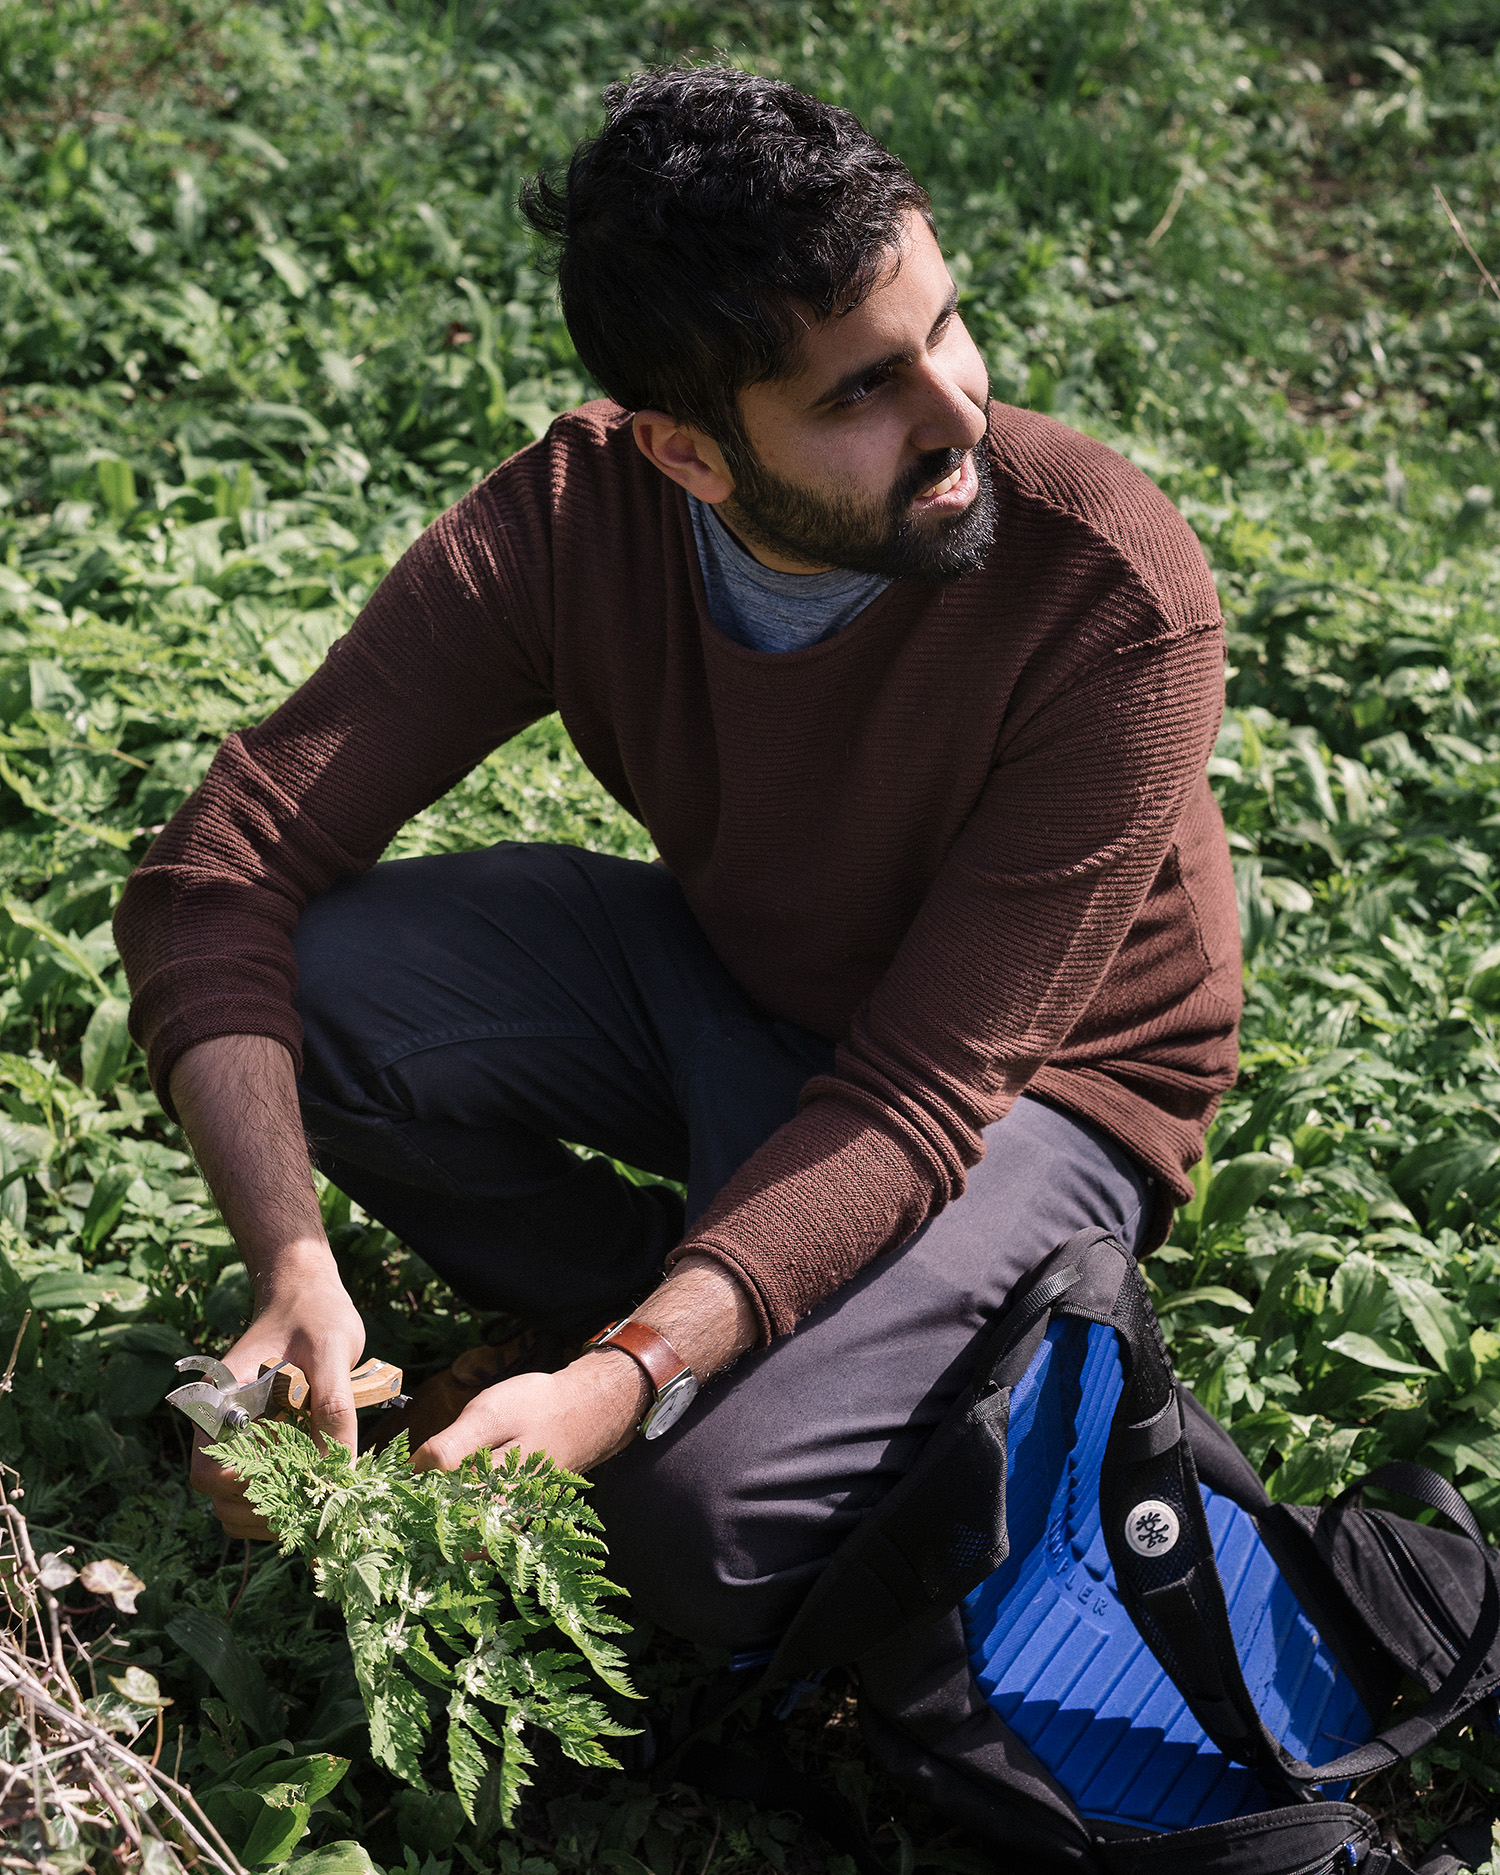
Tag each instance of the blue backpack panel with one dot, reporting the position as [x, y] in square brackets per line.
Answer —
[1083, 1632]
[1059, 1658]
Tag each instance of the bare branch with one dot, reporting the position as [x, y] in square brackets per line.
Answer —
[1458, 229]
[71, 1770]
[10, 1366]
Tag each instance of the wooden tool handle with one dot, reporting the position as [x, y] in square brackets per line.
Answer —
[373, 1382]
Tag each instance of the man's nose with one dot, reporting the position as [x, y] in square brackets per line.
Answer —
[947, 417]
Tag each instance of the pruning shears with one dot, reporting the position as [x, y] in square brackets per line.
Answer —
[219, 1403]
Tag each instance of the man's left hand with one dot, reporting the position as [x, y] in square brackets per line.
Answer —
[590, 1410]
[578, 1417]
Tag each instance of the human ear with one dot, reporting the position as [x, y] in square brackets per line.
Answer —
[684, 455]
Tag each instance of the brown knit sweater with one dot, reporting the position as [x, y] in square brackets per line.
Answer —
[970, 836]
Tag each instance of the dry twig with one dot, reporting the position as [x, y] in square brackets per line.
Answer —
[8, 1377]
[68, 1783]
[1458, 229]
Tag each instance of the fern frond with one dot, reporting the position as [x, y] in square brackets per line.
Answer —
[443, 1579]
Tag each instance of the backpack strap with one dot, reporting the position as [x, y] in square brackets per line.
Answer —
[1470, 1678]
[1162, 1553]
[1159, 1544]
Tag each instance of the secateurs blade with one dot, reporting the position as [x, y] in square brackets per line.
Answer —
[219, 1403]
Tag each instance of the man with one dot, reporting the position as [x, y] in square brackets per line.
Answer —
[915, 697]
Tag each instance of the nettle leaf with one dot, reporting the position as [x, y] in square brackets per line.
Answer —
[400, 1722]
[444, 1578]
[468, 1762]
[417, 1657]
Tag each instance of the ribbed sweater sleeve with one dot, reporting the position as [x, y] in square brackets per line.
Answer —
[969, 838]
[1007, 951]
[402, 708]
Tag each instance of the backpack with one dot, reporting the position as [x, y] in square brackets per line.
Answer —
[1082, 1631]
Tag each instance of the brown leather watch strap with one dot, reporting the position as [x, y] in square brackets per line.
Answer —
[655, 1353]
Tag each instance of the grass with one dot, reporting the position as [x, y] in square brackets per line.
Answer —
[265, 307]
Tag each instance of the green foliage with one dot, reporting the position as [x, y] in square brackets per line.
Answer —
[266, 306]
[442, 1578]
[261, 1804]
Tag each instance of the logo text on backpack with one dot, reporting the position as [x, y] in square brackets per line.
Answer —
[1152, 1528]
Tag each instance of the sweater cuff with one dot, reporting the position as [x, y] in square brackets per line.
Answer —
[206, 1022]
[727, 1261]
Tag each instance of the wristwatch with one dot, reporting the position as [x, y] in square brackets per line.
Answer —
[673, 1381]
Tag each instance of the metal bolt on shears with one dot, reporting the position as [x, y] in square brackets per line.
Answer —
[219, 1403]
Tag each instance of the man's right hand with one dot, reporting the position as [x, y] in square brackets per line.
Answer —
[237, 1098]
[314, 1324]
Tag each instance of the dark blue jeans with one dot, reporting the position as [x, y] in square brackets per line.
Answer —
[466, 1014]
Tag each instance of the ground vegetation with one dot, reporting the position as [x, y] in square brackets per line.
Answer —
[266, 306]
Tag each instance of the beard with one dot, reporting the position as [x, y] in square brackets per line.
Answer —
[883, 538]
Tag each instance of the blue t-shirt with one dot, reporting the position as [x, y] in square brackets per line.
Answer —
[770, 611]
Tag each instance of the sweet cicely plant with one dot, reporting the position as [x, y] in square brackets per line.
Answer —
[444, 1578]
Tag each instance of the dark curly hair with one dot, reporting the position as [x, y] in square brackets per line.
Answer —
[713, 209]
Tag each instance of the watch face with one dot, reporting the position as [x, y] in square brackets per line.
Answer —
[671, 1403]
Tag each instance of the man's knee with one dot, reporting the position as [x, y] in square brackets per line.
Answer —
[696, 1551]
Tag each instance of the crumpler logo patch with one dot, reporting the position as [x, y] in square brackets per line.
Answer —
[1151, 1529]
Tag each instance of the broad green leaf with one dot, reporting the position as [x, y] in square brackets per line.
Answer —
[106, 1205]
[1210, 1292]
[335, 1858]
[1469, 1449]
[283, 262]
[316, 1774]
[280, 1826]
[449, 252]
[1285, 894]
[431, 1822]
[254, 142]
[1315, 1468]
[1356, 1297]
[1378, 1351]
[106, 1043]
[54, 1290]
[117, 485]
[1449, 1201]
[1484, 987]
[233, 1812]
[1241, 1183]
[252, 1766]
[13, 1170]
[236, 1673]
[1437, 1324]
[67, 949]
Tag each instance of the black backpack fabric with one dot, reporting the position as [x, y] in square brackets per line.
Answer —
[1083, 1632]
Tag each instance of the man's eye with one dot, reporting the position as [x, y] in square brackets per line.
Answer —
[862, 391]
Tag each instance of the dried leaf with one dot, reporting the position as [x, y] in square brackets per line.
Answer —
[140, 1688]
[55, 1572]
[111, 1578]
